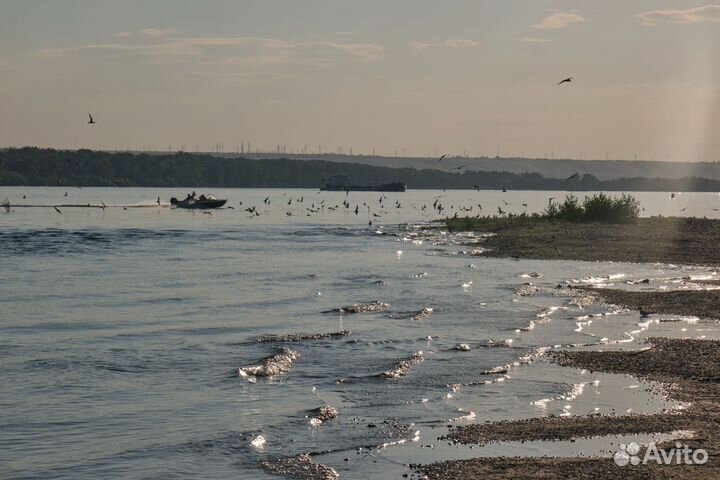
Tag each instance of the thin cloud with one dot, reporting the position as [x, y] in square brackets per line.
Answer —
[363, 52]
[213, 48]
[558, 19]
[147, 32]
[281, 58]
[423, 45]
[460, 43]
[454, 43]
[706, 13]
[234, 77]
[534, 40]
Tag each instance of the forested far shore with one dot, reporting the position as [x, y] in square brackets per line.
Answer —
[48, 167]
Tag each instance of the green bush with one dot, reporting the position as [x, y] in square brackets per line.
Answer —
[552, 211]
[603, 208]
[571, 210]
[596, 208]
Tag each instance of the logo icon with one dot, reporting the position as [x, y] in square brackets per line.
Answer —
[630, 455]
[627, 454]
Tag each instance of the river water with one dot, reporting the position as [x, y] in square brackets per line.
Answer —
[122, 330]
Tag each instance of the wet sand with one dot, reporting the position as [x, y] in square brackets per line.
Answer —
[659, 239]
[690, 369]
[704, 304]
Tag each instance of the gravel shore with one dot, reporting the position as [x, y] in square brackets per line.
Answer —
[648, 240]
[704, 304]
[690, 369]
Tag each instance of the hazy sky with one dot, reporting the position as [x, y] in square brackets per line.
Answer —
[425, 76]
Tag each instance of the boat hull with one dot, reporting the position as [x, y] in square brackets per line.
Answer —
[201, 204]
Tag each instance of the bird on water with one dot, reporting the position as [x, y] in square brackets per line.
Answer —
[91, 121]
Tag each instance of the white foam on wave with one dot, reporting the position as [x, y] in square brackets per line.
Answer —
[258, 443]
[463, 418]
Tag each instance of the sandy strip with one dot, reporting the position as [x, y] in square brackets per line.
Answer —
[689, 368]
[658, 239]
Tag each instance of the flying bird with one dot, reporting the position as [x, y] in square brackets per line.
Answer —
[442, 158]
[574, 176]
[57, 210]
[567, 80]
[460, 167]
[91, 121]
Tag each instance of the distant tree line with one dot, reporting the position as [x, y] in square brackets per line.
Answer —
[49, 167]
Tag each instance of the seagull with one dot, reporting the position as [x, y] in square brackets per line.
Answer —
[91, 122]
[574, 176]
[567, 80]
[442, 158]
[460, 167]
[208, 213]
[57, 210]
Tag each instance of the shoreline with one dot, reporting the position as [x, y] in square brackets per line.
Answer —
[649, 240]
[688, 370]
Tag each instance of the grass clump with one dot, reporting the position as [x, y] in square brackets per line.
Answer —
[595, 208]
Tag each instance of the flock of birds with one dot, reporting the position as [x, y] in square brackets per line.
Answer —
[294, 206]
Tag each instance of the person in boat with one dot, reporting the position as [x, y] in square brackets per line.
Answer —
[202, 197]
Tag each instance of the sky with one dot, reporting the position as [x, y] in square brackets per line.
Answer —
[413, 77]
